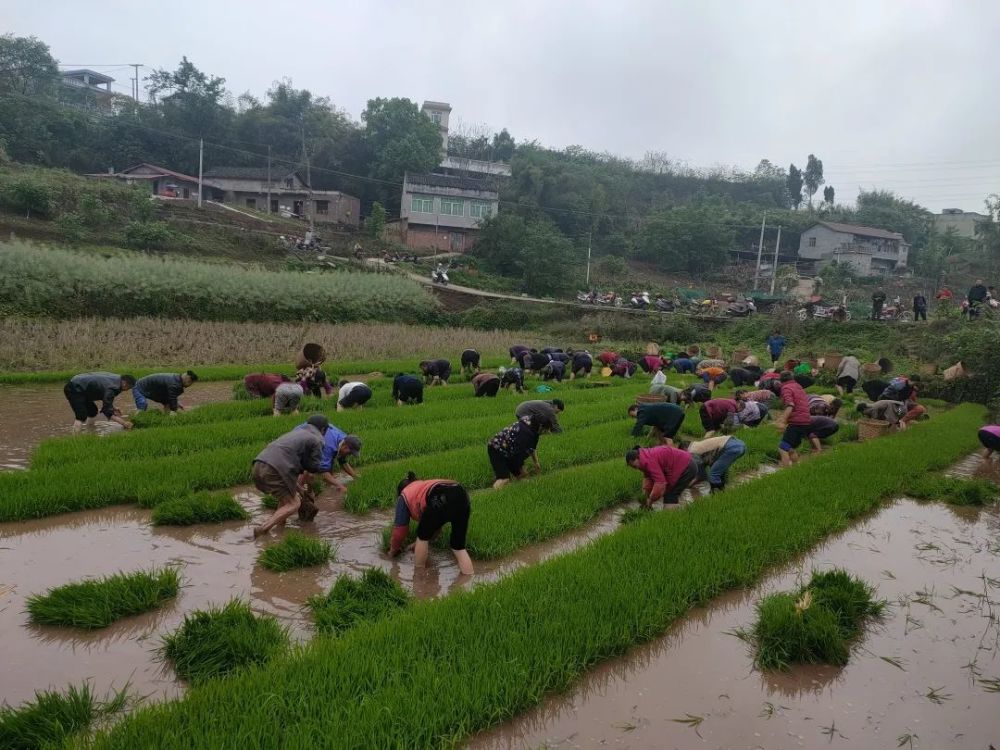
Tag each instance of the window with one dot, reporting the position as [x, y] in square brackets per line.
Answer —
[452, 207]
[422, 204]
[274, 205]
[288, 183]
[436, 118]
[480, 209]
[812, 242]
[322, 207]
[251, 203]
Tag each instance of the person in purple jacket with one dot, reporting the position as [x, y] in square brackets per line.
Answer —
[989, 437]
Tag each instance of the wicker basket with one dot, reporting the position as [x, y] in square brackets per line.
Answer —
[652, 348]
[832, 360]
[740, 354]
[714, 352]
[872, 428]
[694, 350]
[871, 369]
[650, 398]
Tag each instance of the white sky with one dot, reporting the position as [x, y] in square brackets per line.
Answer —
[895, 94]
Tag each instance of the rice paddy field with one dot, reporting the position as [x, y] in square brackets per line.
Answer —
[127, 559]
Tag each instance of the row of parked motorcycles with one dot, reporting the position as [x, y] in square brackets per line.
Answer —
[737, 307]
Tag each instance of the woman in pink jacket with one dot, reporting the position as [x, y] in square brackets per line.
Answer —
[668, 471]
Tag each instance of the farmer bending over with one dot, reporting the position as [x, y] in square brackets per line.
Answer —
[848, 374]
[286, 399]
[821, 427]
[314, 381]
[516, 351]
[263, 384]
[989, 438]
[352, 395]
[712, 376]
[581, 364]
[795, 418]
[683, 365]
[431, 503]
[277, 468]
[886, 410]
[695, 394]
[554, 370]
[513, 376]
[84, 390]
[667, 472]
[716, 455]
[607, 358]
[436, 371]
[824, 405]
[716, 412]
[671, 394]
[164, 388]
[509, 448]
[407, 389]
[470, 360]
[750, 413]
[544, 413]
[664, 420]
[485, 384]
[338, 447]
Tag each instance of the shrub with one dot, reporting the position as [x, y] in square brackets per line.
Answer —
[96, 603]
[150, 235]
[51, 718]
[352, 601]
[296, 550]
[72, 227]
[27, 197]
[203, 507]
[214, 642]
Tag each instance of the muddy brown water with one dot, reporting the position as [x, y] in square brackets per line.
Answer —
[938, 566]
[30, 414]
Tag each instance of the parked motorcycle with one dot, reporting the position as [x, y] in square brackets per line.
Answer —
[839, 313]
[662, 304]
[609, 300]
[587, 298]
[896, 312]
[639, 301]
[440, 276]
[741, 308]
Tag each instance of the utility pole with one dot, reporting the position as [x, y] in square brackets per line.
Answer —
[760, 250]
[135, 94]
[774, 271]
[309, 182]
[269, 178]
[590, 238]
[201, 164]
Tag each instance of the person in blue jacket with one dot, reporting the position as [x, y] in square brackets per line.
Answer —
[775, 345]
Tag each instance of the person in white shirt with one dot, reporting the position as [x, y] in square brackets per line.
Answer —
[352, 395]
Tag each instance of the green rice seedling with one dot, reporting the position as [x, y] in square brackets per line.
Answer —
[631, 515]
[559, 617]
[952, 490]
[52, 717]
[385, 537]
[295, 550]
[96, 603]
[218, 641]
[201, 507]
[353, 601]
[269, 501]
[240, 392]
[815, 624]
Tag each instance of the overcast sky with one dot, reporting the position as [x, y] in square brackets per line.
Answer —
[895, 94]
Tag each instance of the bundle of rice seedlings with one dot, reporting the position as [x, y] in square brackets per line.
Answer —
[202, 507]
[352, 601]
[296, 550]
[214, 642]
[96, 603]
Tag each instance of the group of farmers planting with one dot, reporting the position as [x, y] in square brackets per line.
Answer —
[317, 450]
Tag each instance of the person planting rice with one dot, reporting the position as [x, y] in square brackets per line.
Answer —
[848, 374]
[716, 455]
[695, 394]
[550, 350]
[513, 376]
[652, 363]
[770, 381]
[762, 396]
[338, 447]
[821, 427]
[885, 410]
[544, 413]
[874, 388]
[558, 356]
[667, 472]
[795, 418]
[485, 384]
[407, 389]
[742, 376]
[750, 413]
[314, 381]
[824, 405]
[83, 391]
[900, 389]
[623, 368]
[509, 448]
[804, 374]
[664, 420]
[263, 384]
[164, 388]
[989, 438]
[582, 364]
[607, 358]
[533, 362]
[711, 375]
[659, 377]
[286, 399]
[352, 395]
[671, 394]
[277, 468]
[516, 351]
[554, 370]
[432, 503]
[470, 360]
[436, 371]
[716, 412]
[683, 365]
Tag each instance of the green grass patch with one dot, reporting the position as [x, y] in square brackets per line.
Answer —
[96, 603]
[632, 515]
[295, 550]
[952, 490]
[353, 601]
[201, 507]
[814, 625]
[218, 641]
[52, 717]
[510, 643]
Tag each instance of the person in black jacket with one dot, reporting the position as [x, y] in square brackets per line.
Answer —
[407, 389]
[470, 359]
[165, 388]
[84, 390]
[436, 371]
[512, 376]
[920, 307]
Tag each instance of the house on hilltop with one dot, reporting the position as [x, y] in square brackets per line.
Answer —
[160, 181]
[868, 251]
[441, 210]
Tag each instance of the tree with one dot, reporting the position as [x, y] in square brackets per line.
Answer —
[503, 146]
[530, 249]
[793, 184]
[813, 176]
[766, 170]
[26, 67]
[685, 238]
[400, 139]
[988, 233]
[828, 194]
[375, 223]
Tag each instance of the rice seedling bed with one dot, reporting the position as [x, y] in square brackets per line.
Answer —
[222, 640]
[52, 717]
[511, 642]
[96, 603]
[353, 601]
[295, 550]
[201, 507]
[952, 490]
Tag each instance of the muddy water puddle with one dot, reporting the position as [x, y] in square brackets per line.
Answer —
[30, 414]
[923, 673]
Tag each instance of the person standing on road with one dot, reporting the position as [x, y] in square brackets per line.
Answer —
[432, 503]
[796, 418]
[664, 420]
[582, 364]
[977, 296]
[277, 468]
[775, 345]
[286, 399]
[667, 472]
[716, 455]
[848, 374]
[85, 390]
[878, 301]
[510, 448]
[407, 389]
[470, 360]
[485, 384]
[164, 388]
[436, 371]
[919, 307]
[544, 413]
[352, 395]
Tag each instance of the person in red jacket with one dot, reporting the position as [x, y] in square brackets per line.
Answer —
[607, 358]
[431, 503]
[715, 412]
[263, 384]
[796, 418]
[667, 472]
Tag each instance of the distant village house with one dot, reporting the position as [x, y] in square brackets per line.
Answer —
[868, 251]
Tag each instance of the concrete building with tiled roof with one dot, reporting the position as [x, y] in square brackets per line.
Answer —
[869, 251]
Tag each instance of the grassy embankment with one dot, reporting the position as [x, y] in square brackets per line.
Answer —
[511, 642]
